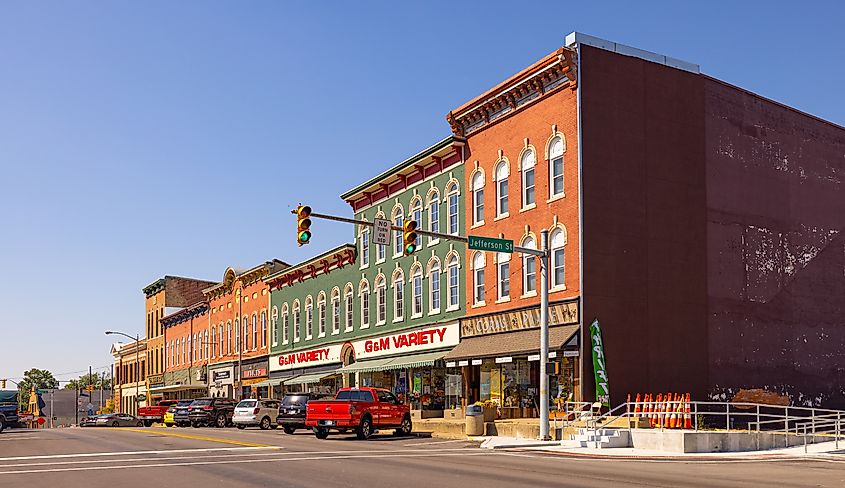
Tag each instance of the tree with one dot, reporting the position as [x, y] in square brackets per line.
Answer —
[38, 379]
[98, 381]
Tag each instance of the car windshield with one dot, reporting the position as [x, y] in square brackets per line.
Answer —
[247, 404]
[295, 400]
[200, 403]
[184, 403]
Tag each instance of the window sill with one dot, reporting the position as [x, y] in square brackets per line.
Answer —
[397, 320]
[380, 323]
[434, 311]
[529, 294]
[504, 299]
[295, 341]
[364, 266]
[321, 335]
[365, 326]
[453, 308]
[416, 315]
[477, 224]
[559, 196]
[433, 242]
[308, 338]
[380, 261]
[557, 288]
[528, 207]
[348, 329]
[501, 216]
[478, 304]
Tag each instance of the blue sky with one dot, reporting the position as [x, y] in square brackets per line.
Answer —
[139, 139]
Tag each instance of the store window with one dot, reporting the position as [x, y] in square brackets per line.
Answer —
[478, 199]
[335, 311]
[502, 188]
[297, 322]
[556, 166]
[558, 240]
[454, 282]
[398, 296]
[452, 195]
[321, 314]
[478, 263]
[503, 265]
[529, 268]
[349, 312]
[309, 318]
[398, 220]
[527, 164]
[381, 300]
[434, 286]
[364, 291]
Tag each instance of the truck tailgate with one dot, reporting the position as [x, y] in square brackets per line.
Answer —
[328, 410]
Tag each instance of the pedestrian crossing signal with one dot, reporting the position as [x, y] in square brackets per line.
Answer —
[303, 224]
[410, 237]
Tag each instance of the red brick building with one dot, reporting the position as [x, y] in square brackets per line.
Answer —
[187, 352]
[702, 226]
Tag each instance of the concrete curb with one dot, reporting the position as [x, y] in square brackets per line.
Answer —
[699, 458]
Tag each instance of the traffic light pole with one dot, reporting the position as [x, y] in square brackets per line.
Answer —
[543, 254]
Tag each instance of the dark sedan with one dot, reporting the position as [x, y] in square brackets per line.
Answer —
[292, 411]
[180, 413]
[118, 420]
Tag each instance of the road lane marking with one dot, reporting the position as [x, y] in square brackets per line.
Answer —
[197, 437]
[130, 453]
[438, 442]
[243, 461]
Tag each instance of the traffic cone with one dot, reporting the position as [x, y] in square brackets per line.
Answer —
[659, 410]
[650, 409]
[673, 416]
[637, 409]
[687, 416]
[668, 409]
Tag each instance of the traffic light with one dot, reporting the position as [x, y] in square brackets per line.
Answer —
[89, 388]
[410, 237]
[3, 384]
[303, 224]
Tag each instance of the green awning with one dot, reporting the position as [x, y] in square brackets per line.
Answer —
[365, 366]
[402, 362]
[269, 383]
[306, 379]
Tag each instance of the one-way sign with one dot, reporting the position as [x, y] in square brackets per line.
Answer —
[381, 232]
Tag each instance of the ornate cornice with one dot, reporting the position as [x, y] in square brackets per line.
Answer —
[154, 287]
[246, 278]
[552, 73]
[323, 264]
[185, 314]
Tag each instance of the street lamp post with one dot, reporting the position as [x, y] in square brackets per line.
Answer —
[137, 340]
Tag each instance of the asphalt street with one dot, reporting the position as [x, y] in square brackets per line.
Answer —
[207, 457]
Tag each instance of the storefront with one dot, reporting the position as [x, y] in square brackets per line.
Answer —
[409, 363]
[254, 374]
[182, 384]
[221, 380]
[500, 361]
[312, 370]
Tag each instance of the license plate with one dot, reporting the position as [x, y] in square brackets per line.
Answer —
[291, 412]
[327, 422]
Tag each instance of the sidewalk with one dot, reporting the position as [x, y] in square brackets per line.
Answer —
[823, 450]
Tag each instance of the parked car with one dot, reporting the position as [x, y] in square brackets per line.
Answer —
[292, 411]
[211, 411]
[155, 413]
[118, 420]
[262, 413]
[181, 417]
[364, 409]
[8, 408]
[88, 421]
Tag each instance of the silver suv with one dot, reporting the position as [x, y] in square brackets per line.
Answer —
[262, 413]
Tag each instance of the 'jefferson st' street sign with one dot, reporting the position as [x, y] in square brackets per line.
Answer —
[489, 244]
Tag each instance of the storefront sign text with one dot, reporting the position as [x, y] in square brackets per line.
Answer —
[305, 359]
[255, 373]
[559, 314]
[427, 338]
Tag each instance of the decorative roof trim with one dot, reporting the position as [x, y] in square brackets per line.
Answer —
[185, 314]
[553, 72]
[248, 277]
[154, 287]
[323, 264]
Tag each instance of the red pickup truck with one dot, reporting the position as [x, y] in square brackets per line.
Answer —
[155, 413]
[364, 409]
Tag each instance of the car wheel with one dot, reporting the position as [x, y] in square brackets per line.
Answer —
[321, 433]
[140, 424]
[2, 424]
[148, 423]
[405, 427]
[115, 424]
[168, 425]
[365, 429]
[240, 426]
[265, 423]
[221, 420]
[196, 425]
[289, 430]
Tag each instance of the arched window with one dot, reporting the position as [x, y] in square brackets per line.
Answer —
[336, 311]
[434, 286]
[416, 215]
[398, 220]
[263, 328]
[527, 164]
[529, 268]
[433, 213]
[478, 198]
[347, 296]
[205, 344]
[274, 325]
[416, 289]
[254, 331]
[285, 324]
[478, 263]
[309, 317]
[191, 352]
[503, 270]
[237, 326]
[381, 300]
[321, 314]
[454, 282]
[364, 294]
[558, 241]
[246, 333]
[228, 337]
[365, 246]
[452, 197]
[212, 342]
[398, 295]
[297, 321]
[556, 149]
[502, 173]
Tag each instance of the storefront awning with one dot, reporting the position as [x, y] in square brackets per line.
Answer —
[158, 389]
[401, 362]
[269, 383]
[306, 379]
[511, 343]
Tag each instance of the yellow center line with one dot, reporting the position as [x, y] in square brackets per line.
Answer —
[196, 437]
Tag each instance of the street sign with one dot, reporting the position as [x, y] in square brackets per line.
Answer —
[381, 232]
[490, 244]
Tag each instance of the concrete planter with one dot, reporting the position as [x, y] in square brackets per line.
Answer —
[454, 413]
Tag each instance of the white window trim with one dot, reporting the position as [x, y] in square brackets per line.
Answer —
[549, 159]
[369, 249]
